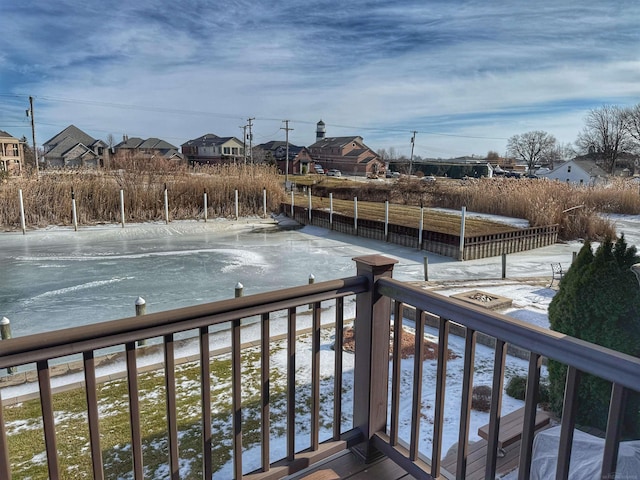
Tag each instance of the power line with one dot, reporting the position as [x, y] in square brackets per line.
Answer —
[236, 116]
[286, 129]
[249, 125]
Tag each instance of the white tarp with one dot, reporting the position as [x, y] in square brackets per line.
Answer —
[586, 456]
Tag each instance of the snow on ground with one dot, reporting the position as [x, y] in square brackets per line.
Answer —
[530, 303]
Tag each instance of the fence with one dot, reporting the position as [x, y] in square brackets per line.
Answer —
[447, 244]
[378, 388]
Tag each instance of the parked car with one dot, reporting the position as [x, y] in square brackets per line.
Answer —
[334, 173]
[319, 170]
[509, 174]
[428, 178]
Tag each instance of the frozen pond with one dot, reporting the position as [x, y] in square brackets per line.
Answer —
[57, 278]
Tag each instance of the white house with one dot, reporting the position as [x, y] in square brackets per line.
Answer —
[574, 173]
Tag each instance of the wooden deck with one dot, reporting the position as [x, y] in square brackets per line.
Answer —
[346, 464]
[511, 427]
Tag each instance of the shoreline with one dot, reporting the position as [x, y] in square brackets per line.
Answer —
[176, 227]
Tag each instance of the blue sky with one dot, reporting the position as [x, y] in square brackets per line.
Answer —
[466, 75]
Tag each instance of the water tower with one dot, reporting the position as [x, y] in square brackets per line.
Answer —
[320, 131]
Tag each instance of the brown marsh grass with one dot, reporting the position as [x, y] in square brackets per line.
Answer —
[47, 198]
[575, 209]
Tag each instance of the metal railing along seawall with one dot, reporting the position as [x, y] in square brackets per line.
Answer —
[447, 244]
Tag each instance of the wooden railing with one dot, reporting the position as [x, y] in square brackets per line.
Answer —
[375, 428]
[447, 244]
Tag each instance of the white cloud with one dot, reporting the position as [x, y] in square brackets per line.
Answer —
[466, 68]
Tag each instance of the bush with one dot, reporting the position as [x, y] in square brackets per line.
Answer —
[517, 388]
[481, 398]
[598, 301]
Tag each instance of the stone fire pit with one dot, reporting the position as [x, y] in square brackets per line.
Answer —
[490, 301]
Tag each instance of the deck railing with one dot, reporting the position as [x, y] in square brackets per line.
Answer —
[377, 392]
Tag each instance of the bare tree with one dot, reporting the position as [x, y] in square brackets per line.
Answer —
[633, 124]
[382, 153]
[531, 147]
[562, 152]
[605, 135]
[493, 156]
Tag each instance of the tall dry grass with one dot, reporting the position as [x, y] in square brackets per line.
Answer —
[575, 209]
[541, 202]
[47, 198]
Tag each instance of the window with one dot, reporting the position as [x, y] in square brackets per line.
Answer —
[569, 169]
[234, 150]
[227, 150]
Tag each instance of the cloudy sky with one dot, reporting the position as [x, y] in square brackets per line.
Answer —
[466, 75]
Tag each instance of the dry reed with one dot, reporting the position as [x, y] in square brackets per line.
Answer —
[47, 198]
[575, 209]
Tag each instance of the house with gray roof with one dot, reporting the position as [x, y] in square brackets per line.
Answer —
[73, 148]
[211, 149]
[148, 149]
[577, 173]
[275, 152]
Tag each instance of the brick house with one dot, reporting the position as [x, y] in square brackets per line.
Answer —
[348, 154]
[11, 154]
[275, 152]
[211, 149]
[74, 148]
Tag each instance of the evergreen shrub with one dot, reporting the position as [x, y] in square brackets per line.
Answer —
[598, 301]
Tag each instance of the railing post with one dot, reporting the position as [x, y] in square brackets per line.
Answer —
[264, 202]
[122, 207]
[331, 211]
[22, 221]
[206, 206]
[5, 334]
[504, 266]
[166, 204]
[141, 309]
[74, 212]
[312, 280]
[462, 223]
[386, 220]
[371, 373]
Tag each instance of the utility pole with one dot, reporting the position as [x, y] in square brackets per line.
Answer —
[250, 139]
[244, 143]
[33, 133]
[286, 129]
[413, 142]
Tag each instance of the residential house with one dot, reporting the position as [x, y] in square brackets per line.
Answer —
[150, 148]
[576, 172]
[11, 154]
[347, 154]
[74, 148]
[211, 149]
[275, 152]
